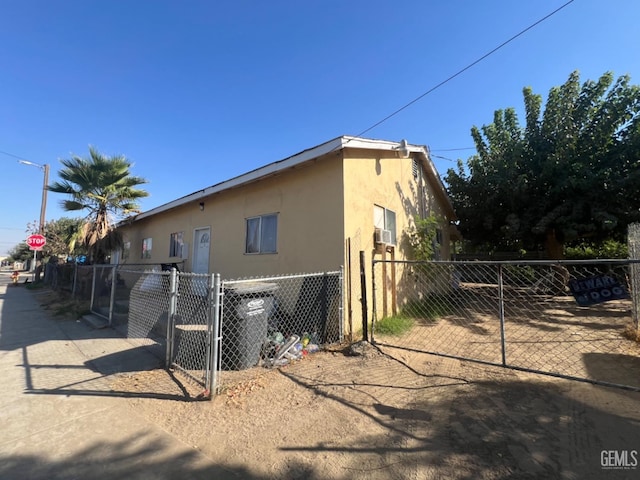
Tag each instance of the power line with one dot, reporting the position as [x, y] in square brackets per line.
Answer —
[444, 158]
[451, 149]
[14, 156]
[522, 32]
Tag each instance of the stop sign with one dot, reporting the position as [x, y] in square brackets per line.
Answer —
[36, 242]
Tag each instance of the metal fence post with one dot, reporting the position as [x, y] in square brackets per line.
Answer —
[75, 279]
[363, 300]
[373, 301]
[633, 247]
[501, 312]
[112, 298]
[341, 314]
[93, 288]
[634, 268]
[173, 303]
[213, 335]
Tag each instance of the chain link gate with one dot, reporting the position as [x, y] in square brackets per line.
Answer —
[103, 291]
[572, 319]
[144, 313]
[192, 333]
[219, 330]
[268, 321]
[177, 315]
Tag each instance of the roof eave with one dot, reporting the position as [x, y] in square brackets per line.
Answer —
[336, 144]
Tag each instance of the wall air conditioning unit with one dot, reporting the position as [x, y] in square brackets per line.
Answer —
[383, 237]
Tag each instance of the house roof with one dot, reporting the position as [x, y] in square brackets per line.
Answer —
[305, 156]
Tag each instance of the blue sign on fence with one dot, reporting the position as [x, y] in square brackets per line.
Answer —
[597, 289]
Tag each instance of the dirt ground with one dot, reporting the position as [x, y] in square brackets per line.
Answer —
[387, 414]
[391, 413]
[544, 333]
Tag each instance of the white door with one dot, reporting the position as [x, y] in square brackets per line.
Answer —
[200, 262]
[201, 244]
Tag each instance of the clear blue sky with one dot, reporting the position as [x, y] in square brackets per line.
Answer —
[196, 92]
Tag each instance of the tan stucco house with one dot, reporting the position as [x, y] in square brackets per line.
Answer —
[311, 212]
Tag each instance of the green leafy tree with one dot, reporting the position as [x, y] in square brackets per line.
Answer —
[20, 253]
[571, 172]
[588, 250]
[422, 237]
[63, 237]
[105, 188]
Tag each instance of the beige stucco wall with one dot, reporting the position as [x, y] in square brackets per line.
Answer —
[382, 178]
[323, 207]
[308, 200]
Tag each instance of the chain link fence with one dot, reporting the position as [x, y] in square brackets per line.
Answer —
[633, 244]
[169, 312]
[70, 277]
[140, 308]
[192, 344]
[274, 320]
[102, 290]
[353, 293]
[211, 332]
[570, 319]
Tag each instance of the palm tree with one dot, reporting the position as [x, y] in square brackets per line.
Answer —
[105, 187]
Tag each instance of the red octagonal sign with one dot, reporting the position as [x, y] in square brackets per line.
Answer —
[36, 242]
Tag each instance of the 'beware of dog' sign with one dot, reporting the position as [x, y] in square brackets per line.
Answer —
[597, 289]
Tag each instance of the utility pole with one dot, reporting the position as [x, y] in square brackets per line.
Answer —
[43, 205]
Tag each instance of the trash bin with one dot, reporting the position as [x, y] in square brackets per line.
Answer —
[247, 308]
[166, 267]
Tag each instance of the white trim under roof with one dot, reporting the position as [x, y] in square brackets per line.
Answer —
[275, 167]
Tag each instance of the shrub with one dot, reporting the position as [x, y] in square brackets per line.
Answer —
[396, 325]
[587, 250]
[430, 308]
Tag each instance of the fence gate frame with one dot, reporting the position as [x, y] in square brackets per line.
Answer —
[97, 290]
[183, 313]
[210, 330]
[634, 295]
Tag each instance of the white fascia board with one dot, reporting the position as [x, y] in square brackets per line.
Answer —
[252, 176]
[275, 167]
[432, 173]
[366, 143]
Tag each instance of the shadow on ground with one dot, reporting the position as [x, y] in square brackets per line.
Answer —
[62, 356]
[481, 428]
[135, 458]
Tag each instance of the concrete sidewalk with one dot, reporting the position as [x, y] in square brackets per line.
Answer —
[59, 417]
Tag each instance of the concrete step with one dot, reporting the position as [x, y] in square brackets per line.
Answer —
[95, 321]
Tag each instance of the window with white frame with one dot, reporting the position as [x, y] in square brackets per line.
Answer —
[262, 234]
[147, 244]
[385, 219]
[176, 244]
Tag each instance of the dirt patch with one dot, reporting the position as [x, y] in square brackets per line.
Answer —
[546, 333]
[393, 413]
[61, 304]
[631, 332]
[397, 414]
